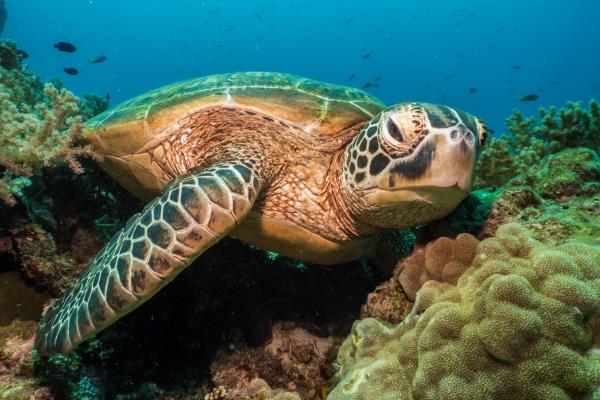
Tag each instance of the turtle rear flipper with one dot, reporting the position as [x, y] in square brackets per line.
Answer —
[192, 214]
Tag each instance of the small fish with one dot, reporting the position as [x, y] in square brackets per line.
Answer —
[107, 96]
[377, 78]
[448, 77]
[257, 15]
[23, 54]
[98, 60]
[65, 46]
[473, 90]
[370, 85]
[71, 71]
[517, 67]
[352, 77]
[529, 97]
[365, 56]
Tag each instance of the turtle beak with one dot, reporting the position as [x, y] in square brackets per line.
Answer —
[445, 159]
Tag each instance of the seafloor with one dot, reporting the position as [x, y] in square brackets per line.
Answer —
[499, 300]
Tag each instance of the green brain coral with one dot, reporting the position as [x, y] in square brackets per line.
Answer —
[520, 323]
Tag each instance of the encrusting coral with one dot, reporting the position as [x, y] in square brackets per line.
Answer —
[39, 124]
[532, 139]
[519, 324]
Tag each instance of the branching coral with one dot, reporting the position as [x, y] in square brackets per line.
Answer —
[519, 324]
[39, 126]
[532, 139]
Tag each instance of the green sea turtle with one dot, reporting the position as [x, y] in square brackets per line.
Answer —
[311, 170]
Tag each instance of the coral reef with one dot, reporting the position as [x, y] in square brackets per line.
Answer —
[257, 389]
[519, 323]
[40, 259]
[558, 199]
[442, 260]
[532, 139]
[569, 173]
[295, 360]
[39, 125]
[16, 368]
[266, 327]
[232, 324]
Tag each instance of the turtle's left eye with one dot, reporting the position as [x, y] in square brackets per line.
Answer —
[393, 131]
[483, 131]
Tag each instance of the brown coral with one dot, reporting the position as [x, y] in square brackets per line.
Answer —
[443, 260]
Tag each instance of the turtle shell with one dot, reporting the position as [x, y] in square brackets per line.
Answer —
[324, 109]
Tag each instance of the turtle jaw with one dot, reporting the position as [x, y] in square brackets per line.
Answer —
[443, 160]
[425, 186]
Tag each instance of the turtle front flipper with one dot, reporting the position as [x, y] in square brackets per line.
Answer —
[192, 214]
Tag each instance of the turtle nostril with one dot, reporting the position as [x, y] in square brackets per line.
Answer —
[454, 134]
[469, 136]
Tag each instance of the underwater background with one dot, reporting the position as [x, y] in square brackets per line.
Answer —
[429, 50]
[498, 300]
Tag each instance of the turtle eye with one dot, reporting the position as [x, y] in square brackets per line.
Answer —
[483, 131]
[393, 131]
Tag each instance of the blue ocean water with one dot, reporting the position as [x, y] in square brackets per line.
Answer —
[426, 50]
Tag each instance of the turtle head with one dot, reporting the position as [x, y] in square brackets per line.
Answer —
[411, 164]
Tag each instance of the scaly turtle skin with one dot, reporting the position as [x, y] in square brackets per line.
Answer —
[311, 170]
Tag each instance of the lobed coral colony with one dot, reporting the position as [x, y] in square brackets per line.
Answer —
[500, 300]
[519, 322]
